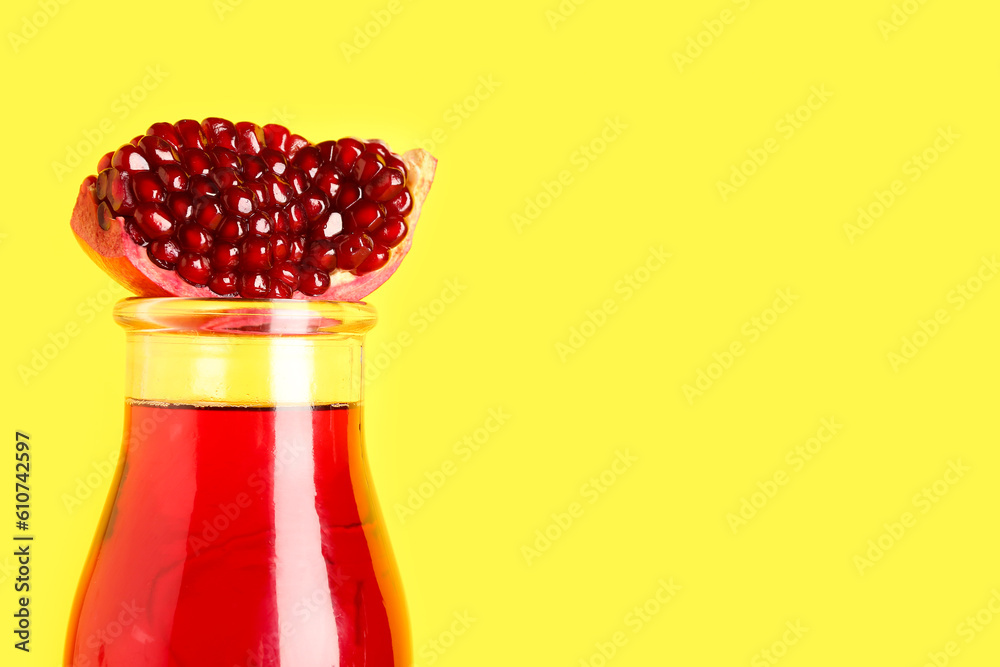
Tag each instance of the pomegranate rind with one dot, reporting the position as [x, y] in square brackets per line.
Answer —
[115, 252]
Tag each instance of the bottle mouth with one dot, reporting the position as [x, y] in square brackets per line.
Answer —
[244, 317]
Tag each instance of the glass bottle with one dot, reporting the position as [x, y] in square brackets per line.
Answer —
[241, 529]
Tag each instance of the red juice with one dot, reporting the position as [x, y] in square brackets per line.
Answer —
[242, 537]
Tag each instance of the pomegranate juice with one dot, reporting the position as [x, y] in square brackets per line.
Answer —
[242, 536]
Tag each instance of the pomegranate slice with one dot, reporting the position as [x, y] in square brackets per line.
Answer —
[221, 209]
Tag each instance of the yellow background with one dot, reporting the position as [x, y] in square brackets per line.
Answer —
[679, 128]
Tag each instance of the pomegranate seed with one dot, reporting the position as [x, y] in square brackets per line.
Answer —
[101, 187]
[274, 160]
[297, 218]
[282, 223]
[253, 285]
[226, 178]
[181, 206]
[253, 167]
[363, 215]
[147, 187]
[297, 250]
[276, 137]
[295, 144]
[224, 158]
[193, 268]
[297, 179]
[327, 229]
[287, 273]
[378, 147]
[402, 204]
[135, 140]
[164, 253]
[322, 254]
[128, 158]
[279, 248]
[327, 150]
[191, 134]
[208, 213]
[249, 138]
[220, 132]
[120, 195]
[231, 230]
[104, 216]
[224, 256]
[315, 204]
[135, 233]
[278, 192]
[173, 177]
[259, 192]
[279, 290]
[348, 195]
[352, 250]
[255, 254]
[157, 151]
[395, 162]
[260, 224]
[377, 258]
[386, 185]
[307, 160]
[167, 132]
[194, 238]
[348, 150]
[238, 200]
[224, 283]
[105, 161]
[392, 231]
[203, 186]
[196, 161]
[313, 282]
[366, 167]
[327, 181]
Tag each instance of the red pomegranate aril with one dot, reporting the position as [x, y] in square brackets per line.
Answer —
[167, 132]
[181, 206]
[376, 259]
[192, 237]
[135, 140]
[327, 229]
[278, 192]
[378, 147]
[255, 254]
[392, 231]
[349, 193]
[307, 160]
[208, 213]
[297, 218]
[295, 144]
[226, 178]
[297, 250]
[104, 216]
[224, 158]
[224, 283]
[154, 221]
[274, 160]
[281, 221]
[238, 200]
[285, 272]
[147, 187]
[224, 256]
[366, 167]
[249, 138]
[253, 167]
[327, 151]
[164, 253]
[220, 132]
[327, 181]
[315, 204]
[394, 162]
[402, 204]
[105, 161]
[260, 224]
[352, 250]
[279, 290]
[173, 177]
[362, 215]
[253, 285]
[196, 161]
[203, 186]
[279, 248]
[348, 150]
[128, 158]
[193, 268]
[157, 151]
[101, 186]
[313, 282]
[135, 233]
[260, 193]
[297, 179]
[386, 185]
[120, 195]
[322, 254]
[276, 137]
[191, 134]
[231, 230]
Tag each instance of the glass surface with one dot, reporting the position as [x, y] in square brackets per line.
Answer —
[241, 528]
